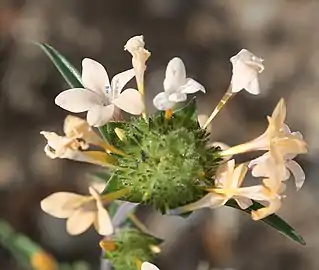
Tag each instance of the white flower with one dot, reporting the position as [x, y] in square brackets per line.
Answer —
[100, 98]
[148, 266]
[176, 86]
[135, 46]
[81, 211]
[227, 186]
[246, 67]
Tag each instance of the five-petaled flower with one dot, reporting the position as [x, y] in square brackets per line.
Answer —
[246, 67]
[176, 86]
[100, 98]
[75, 145]
[81, 211]
[277, 139]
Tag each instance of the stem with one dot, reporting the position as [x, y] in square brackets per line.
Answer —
[219, 106]
[138, 223]
[115, 195]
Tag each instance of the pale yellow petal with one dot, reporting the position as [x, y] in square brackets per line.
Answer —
[279, 113]
[211, 200]
[103, 223]
[61, 204]
[273, 207]
[80, 221]
[239, 175]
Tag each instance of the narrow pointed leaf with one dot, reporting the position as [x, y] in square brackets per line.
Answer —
[273, 221]
[67, 70]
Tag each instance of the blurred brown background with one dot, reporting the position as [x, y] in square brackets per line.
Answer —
[205, 34]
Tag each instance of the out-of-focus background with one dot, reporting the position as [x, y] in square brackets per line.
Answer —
[205, 34]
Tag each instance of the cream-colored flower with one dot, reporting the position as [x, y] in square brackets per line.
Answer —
[272, 192]
[71, 148]
[75, 127]
[136, 47]
[100, 98]
[176, 86]
[228, 186]
[81, 211]
[148, 266]
[263, 165]
[246, 67]
[277, 139]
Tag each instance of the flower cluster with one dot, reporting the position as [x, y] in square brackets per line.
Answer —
[166, 160]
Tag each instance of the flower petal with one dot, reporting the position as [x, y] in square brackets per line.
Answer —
[61, 204]
[175, 76]
[119, 81]
[253, 192]
[211, 200]
[103, 223]
[148, 266]
[238, 176]
[77, 100]
[253, 86]
[243, 203]
[94, 77]
[162, 103]
[177, 97]
[130, 100]
[80, 221]
[100, 115]
[273, 207]
[191, 87]
[297, 172]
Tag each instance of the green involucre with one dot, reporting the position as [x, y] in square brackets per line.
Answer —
[169, 163]
[131, 246]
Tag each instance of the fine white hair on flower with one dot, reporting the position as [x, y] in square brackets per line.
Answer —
[176, 86]
[148, 266]
[100, 98]
[246, 67]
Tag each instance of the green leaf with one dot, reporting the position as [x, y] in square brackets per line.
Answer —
[273, 221]
[68, 71]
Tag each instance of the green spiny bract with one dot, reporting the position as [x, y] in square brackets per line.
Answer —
[132, 247]
[168, 162]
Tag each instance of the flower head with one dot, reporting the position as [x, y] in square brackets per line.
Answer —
[176, 86]
[81, 211]
[246, 67]
[100, 98]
